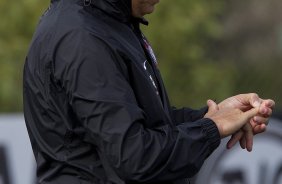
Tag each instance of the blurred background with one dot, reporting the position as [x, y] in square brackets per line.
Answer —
[205, 49]
[216, 49]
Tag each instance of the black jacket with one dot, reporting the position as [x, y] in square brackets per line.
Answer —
[95, 105]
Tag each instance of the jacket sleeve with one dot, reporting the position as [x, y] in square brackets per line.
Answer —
[105, 105]
[187, 114]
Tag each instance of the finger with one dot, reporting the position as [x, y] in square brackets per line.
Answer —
[212, 105]
[248, 133]
[269, 103]
[250, 113]
[254, 99]
[261, 120]
[267, 107]
[265, 111]
[243, 142]
[213, 108]
[234, 139]
[259, 129]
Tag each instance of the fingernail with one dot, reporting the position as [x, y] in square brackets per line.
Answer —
[264, 111]
[255, 119]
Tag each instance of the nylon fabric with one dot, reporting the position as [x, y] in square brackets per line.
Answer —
[92, 112]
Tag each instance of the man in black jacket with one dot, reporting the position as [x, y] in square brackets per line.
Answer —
[96, 108]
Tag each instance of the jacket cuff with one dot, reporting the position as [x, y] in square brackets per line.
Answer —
[194, 115]
[202, 112]
[212, 133]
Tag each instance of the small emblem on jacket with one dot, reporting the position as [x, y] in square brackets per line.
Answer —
[150, 76]
[144, 64]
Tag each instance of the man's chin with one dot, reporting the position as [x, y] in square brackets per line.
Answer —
[149, 10]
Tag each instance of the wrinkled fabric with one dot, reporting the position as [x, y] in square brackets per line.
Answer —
[95, 105]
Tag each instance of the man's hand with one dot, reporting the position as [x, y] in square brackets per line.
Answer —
[230, 120]
[258, 123]
[245, 102]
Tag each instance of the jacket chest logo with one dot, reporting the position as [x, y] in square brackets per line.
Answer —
[150, 76]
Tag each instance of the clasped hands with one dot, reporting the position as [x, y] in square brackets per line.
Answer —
[241, 116]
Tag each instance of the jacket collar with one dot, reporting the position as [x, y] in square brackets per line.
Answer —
[119, 9]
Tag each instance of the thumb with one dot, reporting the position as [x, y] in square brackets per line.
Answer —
[213, 107]
[251, 113]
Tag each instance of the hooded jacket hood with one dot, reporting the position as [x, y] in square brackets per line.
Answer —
[120, 9]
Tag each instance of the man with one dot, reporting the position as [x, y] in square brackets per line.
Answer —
[96, 108]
